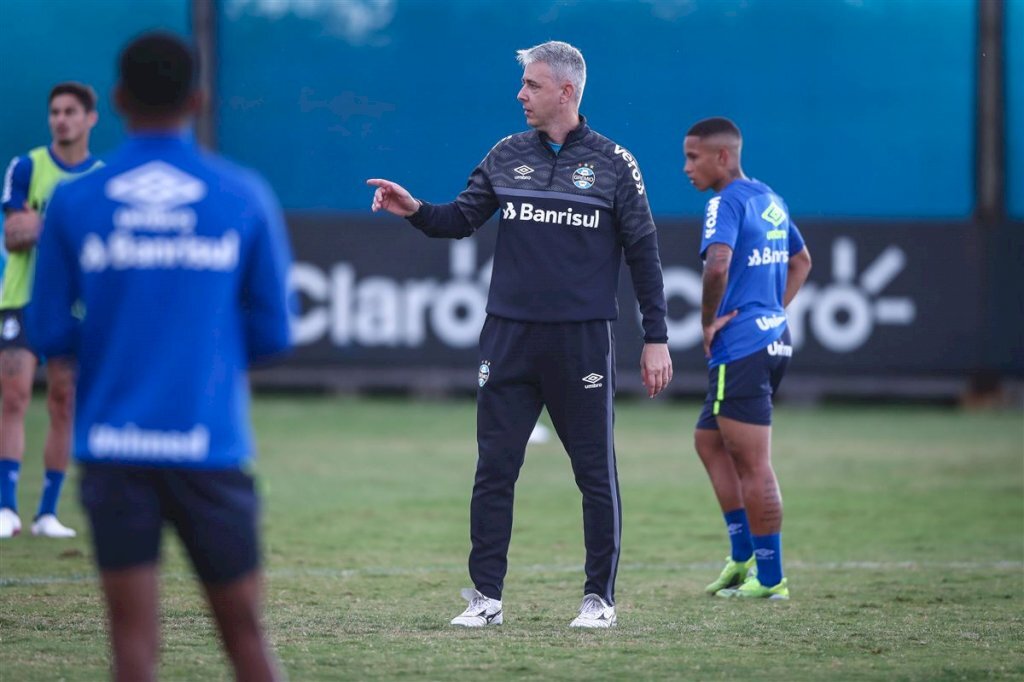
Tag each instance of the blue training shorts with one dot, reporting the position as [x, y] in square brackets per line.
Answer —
[743, 389]
[12, 329]
[12, 332]
[215, 513]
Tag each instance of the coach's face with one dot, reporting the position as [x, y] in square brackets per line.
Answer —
[69, 121]
[703, 163]
[542, 96]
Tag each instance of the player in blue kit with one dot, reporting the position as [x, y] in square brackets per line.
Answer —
[181, 261]
[755, 261]
[573, 203]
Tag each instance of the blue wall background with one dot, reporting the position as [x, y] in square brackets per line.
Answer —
[48, 41]
[850, 108]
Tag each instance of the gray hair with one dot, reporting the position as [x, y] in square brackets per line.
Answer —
[566, 62]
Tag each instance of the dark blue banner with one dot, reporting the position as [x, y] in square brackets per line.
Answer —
[885, 300]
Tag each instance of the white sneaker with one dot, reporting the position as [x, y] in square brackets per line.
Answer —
[480, 612]
[48, 526]
[594, 613]
[10, 524]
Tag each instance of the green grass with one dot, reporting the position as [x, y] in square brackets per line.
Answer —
[904, 547]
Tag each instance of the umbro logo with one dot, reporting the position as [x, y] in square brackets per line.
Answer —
[156, 186]
[523, 172]
[593, 380]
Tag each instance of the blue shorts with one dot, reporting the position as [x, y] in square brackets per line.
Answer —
[215, 513]
[12, 329]
[743, 389]
[12, 332]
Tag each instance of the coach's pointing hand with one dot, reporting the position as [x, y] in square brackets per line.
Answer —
[393, 198]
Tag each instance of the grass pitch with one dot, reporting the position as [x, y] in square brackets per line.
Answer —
[903, 543]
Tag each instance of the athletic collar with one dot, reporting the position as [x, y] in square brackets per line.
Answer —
[162, 137]
[85, 164]
[575, 135]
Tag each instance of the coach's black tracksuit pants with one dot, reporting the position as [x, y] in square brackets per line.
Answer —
[569, 367]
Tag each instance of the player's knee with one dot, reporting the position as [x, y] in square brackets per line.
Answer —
[746, 463]
[240, 625]
[743, 470]
[708, 444]
[754, 467]
[14, 399]
[60, 402]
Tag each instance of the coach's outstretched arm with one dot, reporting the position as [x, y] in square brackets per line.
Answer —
[455, 220]
[393, 198]
[445, 220]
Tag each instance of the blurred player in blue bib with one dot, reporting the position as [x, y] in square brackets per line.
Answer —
[755, 261]
[181, 261]
[28, 184]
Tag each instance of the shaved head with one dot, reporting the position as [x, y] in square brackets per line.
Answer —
[711, 127]
[712, 149]
[718, 132]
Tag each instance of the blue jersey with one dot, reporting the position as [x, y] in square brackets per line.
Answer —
[181, 261]
[752, 220]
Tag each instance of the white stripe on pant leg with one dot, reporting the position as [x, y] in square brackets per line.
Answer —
[609, 419]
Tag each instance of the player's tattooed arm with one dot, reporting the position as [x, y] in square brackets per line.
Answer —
[21, 230]
[716, 276]
[717, 259]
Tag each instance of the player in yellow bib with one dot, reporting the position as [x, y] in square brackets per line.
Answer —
[28, 184]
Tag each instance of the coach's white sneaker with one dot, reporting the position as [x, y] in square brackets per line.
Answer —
[48, 526]
[594, 613]
[10, 524]
[480, 612]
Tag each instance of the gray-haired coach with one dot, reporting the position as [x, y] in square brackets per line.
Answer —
[572, 203]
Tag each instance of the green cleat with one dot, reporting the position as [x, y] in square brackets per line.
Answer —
[733, 575]
[753, 589]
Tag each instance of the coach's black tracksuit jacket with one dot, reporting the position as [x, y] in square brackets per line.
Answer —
[566, 221]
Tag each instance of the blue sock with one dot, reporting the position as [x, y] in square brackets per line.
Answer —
[739, 534]
[768, 550]
[9, 470]
[51, 492]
